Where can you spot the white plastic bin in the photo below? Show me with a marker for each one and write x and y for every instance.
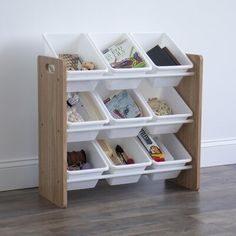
(180, 110)
(175, 154)
(105, 40)
(119, 131)
(81, 85)
(134, 150)
(121, 83)
(103, 93)
(164, 128)
(95, 157)
(147, 41)
(56, 44)
(94, 115)
(165, 80)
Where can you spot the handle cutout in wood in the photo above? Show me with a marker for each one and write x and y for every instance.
(50, 68)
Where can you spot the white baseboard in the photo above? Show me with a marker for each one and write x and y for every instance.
(23, 173)
(218, 152)
(18, 174)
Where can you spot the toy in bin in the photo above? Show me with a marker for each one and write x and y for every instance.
(77, 160)
(162, 56)
(122, 105)
(151, 146)
(73, 62)
(123, 55)
(117, 156)
(76, 111)
(159, 107)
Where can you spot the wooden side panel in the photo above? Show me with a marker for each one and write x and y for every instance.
(190, 90)
(52, 130)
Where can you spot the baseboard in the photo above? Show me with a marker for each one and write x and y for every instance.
(23, 173)
(218, 152)
(18, 174)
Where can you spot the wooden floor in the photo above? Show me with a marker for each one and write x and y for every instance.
(145, 208)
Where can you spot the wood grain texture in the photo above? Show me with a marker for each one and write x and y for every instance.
(190, 89)
(143, 209)
(52, 131)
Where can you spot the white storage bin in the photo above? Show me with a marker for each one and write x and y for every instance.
(175, 154)
(81, 84)
(105, 40)
(94, 116)
(119, 132)
(103, 93)
(56, 44)
(134, 150)
(147, 41)
(165, 80)
(95, 157)
(121, 83)
(180, 110)
(164, 128)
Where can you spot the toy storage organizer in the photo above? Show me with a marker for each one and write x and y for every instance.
(177, 134)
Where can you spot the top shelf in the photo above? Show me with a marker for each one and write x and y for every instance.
(90, 47)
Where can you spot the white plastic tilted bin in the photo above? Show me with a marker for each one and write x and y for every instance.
(134, 150)
(180, 110)
(94, 118)
(77, 179)
(103, 41)
(103, 93)
(147, 41)
(175, 154)
(81, 80)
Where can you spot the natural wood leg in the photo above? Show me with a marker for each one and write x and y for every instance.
(52, 130)
(190, 89)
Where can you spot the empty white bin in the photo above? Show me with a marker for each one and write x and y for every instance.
(134, 150)
(175, 154)
(56, 44)
(102, 93)
(105, 40)
(77, 179)
(94, 115)
(147, 41)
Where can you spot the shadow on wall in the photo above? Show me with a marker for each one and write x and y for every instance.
(18, 95)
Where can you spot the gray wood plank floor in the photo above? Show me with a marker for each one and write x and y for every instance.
(145, 208)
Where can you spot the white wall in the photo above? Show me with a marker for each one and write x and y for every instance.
(203, 27)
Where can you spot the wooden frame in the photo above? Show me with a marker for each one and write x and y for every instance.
(190, 89)
(52, 128)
